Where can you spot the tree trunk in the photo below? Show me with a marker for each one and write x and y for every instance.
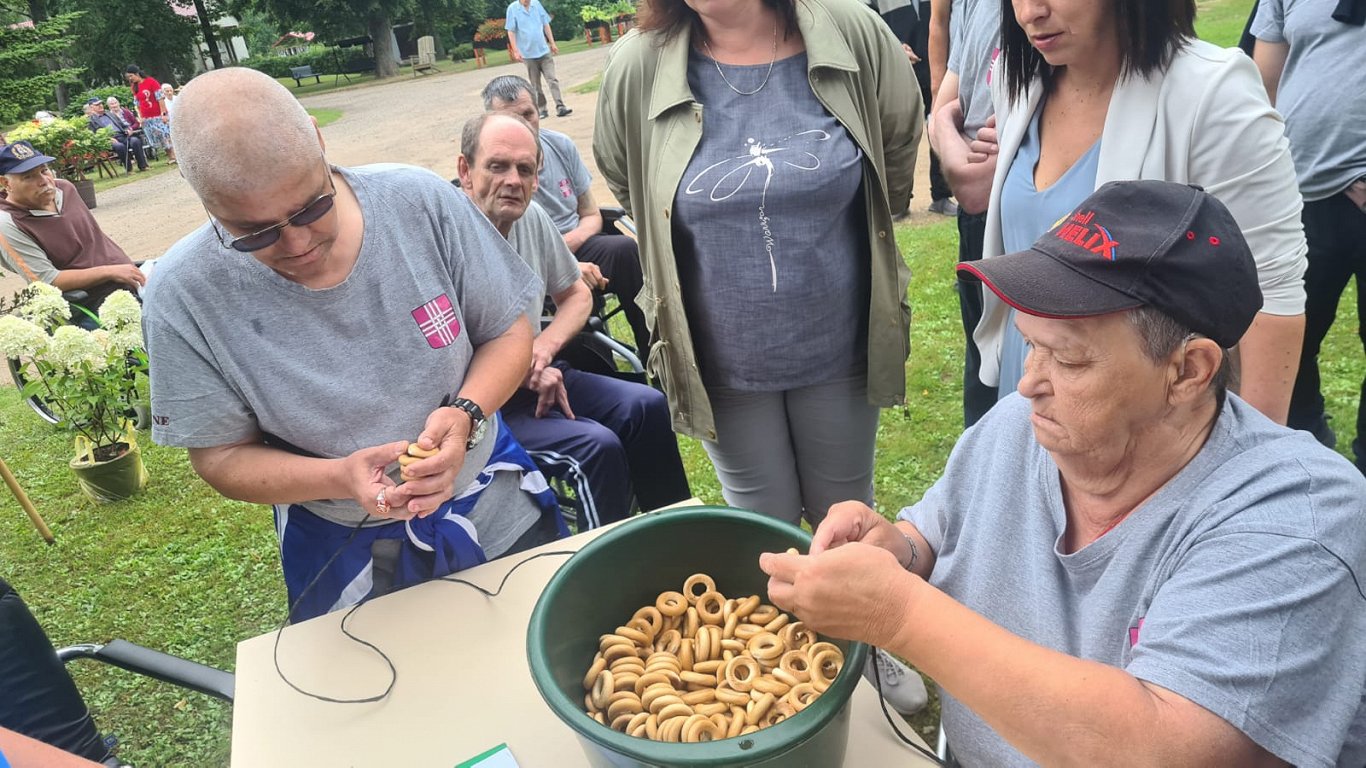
(381, 35)
(206, 27)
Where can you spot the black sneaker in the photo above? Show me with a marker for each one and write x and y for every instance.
(563, 111)
(544, 114)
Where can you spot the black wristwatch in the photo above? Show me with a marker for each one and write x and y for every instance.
(479, 426)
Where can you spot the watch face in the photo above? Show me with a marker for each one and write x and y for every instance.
(478, 431)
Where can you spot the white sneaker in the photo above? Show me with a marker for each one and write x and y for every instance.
(901, 686)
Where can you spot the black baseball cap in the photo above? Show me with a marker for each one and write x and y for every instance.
(93, 100)
(1172, 247)
(21, 157)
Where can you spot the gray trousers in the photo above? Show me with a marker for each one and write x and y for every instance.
(794, 453)
(537, 68)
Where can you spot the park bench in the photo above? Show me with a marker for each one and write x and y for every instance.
(303, 73)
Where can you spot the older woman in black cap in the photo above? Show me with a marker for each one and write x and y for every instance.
(1125, 562)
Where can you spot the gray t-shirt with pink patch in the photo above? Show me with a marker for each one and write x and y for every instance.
(1238, 585)
(236, 349)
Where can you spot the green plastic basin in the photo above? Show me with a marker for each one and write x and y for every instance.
(626, 568)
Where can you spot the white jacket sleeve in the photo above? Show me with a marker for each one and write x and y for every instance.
(1239, 154)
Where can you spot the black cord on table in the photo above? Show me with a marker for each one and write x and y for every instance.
(877, 681)
(393, 672)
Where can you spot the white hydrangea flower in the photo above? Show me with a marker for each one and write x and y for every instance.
(20, 338)
(120, 310)
(71, 346)
(43, 305)
(126, 339)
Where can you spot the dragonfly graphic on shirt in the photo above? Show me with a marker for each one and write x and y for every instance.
(730, 175)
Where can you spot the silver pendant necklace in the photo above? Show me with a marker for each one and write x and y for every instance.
(727, 81)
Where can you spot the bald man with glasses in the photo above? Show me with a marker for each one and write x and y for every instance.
(319, 323)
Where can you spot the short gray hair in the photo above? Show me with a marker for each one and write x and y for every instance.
(1159, 335)
(474, 128)
(505, 88)
(220, 143)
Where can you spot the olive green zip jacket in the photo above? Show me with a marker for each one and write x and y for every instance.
(649, 124)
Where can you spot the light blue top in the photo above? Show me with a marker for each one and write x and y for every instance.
(527, 27)
(1027, 213)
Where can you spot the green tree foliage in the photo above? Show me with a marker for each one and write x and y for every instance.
(26, 84)
(335, 19)
(116, 33)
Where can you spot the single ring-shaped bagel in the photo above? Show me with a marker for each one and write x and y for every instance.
(778, 623)
(710, 606)
(741, 672)
(658, 703)
(691, 584)
(801, 695)
(599, 664)
(649, 679)
(765, 646)
(634, 635)
(677, 709)
(711, 709)
(603, 689)
(795, 635)
(767, 684)
(406, 460)
(422, 453)
(668, 641)
(697, 678)
(728, 695)
(691, 622)
(699, 697)
(653, 616)
(621, 707)
(712, 667)
(762, 614)
(637, 724)
(743, 632)
(737, 722)
(671, 603)
(797, 664)
(821, 666)
(701, 728)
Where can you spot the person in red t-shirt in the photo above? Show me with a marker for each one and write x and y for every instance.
(147, 92)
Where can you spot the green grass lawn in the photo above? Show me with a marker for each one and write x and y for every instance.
(181, 569)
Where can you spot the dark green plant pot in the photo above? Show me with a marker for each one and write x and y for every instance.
(626, 568)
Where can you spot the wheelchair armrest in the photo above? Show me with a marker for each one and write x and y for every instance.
(158, 665)
(75, 297)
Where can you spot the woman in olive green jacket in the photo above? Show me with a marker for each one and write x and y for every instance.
(761, 146)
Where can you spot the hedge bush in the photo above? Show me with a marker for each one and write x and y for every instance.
(75, 107)
(462, 52)
(320, 57)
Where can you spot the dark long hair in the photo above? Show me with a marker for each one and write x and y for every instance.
(1150, 33)
(670, 17)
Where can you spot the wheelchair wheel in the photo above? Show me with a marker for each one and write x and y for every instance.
(36, 402)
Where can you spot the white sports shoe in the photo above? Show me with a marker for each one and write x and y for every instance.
(901, 687)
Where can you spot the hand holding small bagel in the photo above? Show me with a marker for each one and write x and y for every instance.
(430, 464)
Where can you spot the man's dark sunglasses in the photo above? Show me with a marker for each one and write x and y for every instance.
(264, 238)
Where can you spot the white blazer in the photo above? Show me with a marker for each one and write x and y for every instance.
(1206, 120)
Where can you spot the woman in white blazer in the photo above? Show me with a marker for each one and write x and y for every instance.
(1096, 91)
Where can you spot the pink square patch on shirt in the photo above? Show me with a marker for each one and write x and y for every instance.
(436, 319)
(566, 189)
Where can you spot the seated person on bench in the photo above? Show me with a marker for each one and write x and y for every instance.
(564, 194)
(127, 146)
(602, 435)
(52, 235)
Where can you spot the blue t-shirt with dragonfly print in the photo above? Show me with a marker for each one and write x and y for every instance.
(770, 233)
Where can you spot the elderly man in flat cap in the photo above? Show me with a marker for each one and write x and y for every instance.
(1124, 563)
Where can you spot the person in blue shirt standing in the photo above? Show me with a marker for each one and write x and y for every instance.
(530, 40)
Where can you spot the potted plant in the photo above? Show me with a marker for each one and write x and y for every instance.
(86, 377)
(491, 34)
(597, 18)
(624, 13)
(75, 147)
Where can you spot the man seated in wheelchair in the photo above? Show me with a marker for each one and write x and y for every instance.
(601, 435)
(609, 259)
(50, 235)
